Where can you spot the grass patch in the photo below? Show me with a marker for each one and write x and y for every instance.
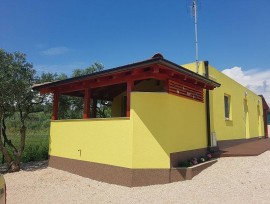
(37, 136)
(36, 147)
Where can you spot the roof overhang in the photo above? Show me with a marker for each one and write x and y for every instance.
(156, 68)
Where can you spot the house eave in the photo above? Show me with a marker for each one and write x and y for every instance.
(126, 68)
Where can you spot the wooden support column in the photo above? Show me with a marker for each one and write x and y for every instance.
(55, 105)
(94, 108)
(86, 111)
(130, 85)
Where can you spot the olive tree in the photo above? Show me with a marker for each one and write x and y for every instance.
(72, 107)
(17, 77)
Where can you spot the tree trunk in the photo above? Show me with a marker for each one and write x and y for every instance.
(12, 167)
(15, 165)
(23, 135)
(7, 156)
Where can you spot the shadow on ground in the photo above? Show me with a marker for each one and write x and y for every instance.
(30, 166)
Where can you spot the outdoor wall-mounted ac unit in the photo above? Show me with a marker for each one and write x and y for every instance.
(213, 139)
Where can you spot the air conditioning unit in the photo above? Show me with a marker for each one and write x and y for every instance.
(213, 139)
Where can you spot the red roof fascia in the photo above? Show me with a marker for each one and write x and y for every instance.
(155, 71)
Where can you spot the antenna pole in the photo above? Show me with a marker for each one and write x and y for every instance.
(194, 7)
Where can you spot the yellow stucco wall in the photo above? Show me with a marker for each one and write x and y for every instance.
(117, 105)
(160, 124)
(106, 141)
(163, 124)
(237, 127)
(149, 85)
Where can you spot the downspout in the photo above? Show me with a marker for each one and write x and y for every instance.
(207, 106)
(265, 110)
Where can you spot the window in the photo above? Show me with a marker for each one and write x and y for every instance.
(227, 107)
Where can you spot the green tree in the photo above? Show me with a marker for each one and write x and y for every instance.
(17, 77)
(49, 77)
(96, 67)
(46, 105)
(72, 107)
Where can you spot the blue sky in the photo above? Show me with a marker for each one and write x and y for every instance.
(59, 36)
(69, 34)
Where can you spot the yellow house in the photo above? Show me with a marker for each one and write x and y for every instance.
(237, 114)
(162, 114)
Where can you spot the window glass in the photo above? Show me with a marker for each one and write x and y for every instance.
(227, 106)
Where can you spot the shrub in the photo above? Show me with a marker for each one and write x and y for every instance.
(185, 164)
(201, 160)
(194, 161)
(35, 153)
(208, 156)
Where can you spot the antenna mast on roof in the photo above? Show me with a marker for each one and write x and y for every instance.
(194, 9)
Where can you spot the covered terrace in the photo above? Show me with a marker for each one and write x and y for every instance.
(106, 85)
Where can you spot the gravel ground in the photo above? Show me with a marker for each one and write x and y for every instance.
(230, 180)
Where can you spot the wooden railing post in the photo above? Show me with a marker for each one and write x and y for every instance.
(87, 99)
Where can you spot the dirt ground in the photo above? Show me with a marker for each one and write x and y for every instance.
(230, 180)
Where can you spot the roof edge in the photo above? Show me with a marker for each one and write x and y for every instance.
(155, 60)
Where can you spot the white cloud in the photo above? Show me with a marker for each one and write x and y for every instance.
(257, 81)
(40, 45)
(55, 51)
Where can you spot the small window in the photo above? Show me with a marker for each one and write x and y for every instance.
(227, 107)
